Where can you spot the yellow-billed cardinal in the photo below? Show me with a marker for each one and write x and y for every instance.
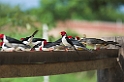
(6, 48)
(1, 43)
(28, 40)
(35, 41)
(67, 42)
(97, 43)
(46, 46)
(42, 46)
(77, 38)
(9, 42)
(77, 44)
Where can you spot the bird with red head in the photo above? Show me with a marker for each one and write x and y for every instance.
(1, 43)
(1, 36)
(63, 33)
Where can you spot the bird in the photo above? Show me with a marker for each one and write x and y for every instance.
(9, 41)
(67, 42)
(47, 46)
(6, 48)
(35, 41)
(17, 45)
(37, 47)
(28, 40)
(78, 45)
(42, 46)
(23, 45)
(92, 42)
(1, 43)
(77, 38)
(96, 43)
(56, 45)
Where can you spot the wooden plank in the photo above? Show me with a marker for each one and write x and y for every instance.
(7, 58)
(116, 73)
(121, 55)
(121, 58)
(120, 40)
(7, 71)
(113, 74)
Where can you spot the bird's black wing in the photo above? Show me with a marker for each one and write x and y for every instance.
(13, 40)
(50, 44)
(77, 43)
(69, 41)
(34, 33)
(93, 40)
(27, 38)
(37, 39)
(112, 42)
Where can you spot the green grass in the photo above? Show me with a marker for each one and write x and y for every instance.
(89, 76)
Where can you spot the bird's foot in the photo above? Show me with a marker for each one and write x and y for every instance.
(51, 49)
(66, 50)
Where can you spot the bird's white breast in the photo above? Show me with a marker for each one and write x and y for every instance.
(64, 41)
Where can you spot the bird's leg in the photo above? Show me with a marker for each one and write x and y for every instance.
(66, 48)
(98, 46)
(95, 47)
(51, 49)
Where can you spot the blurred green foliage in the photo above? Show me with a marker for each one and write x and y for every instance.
(51, 11)
(14, 16)
(54, 10)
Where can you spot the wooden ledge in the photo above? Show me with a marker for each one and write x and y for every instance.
(31, 70)
(27, 64)
(16, 58)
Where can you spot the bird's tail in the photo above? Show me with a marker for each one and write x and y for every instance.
(30, 40)
(113, 43)
(34, 33)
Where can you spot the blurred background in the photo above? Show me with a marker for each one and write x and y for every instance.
(95, 18)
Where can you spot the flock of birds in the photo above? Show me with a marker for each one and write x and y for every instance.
(65, 43)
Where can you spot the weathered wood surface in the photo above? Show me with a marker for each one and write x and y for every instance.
(27, 64)
(116, 73)
(53, 57)
(121, 58)
(113, 74)
(120, 40)
(30, 70)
